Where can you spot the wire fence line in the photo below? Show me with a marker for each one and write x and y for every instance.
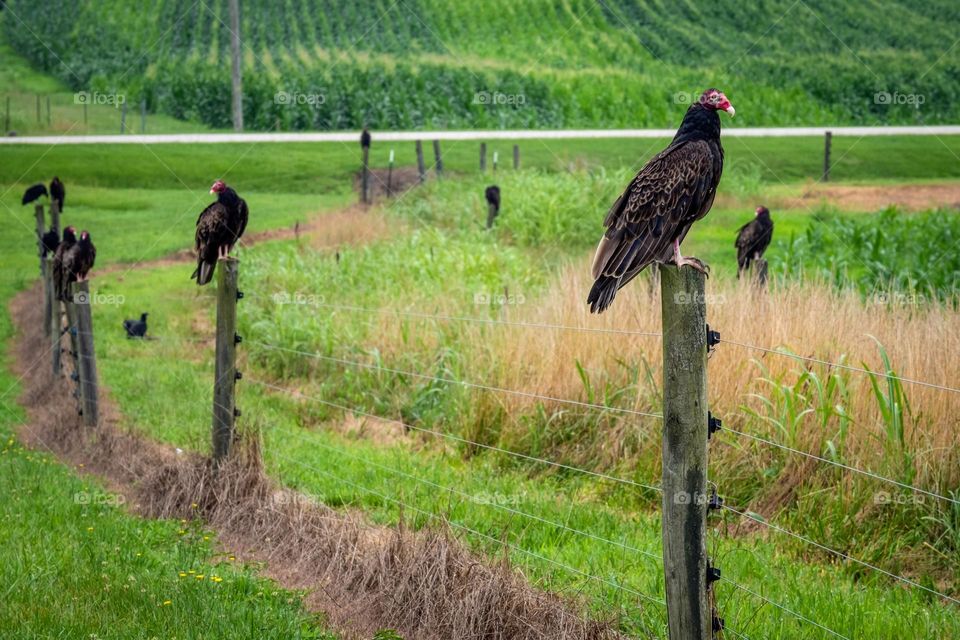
(466, 529)
(456, 438)
(839, 554)
(480, 501)
(840, 465)
(838, 365)
(785, 609)
(414, 374)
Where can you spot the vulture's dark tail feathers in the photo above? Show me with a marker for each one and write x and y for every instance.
(602, 294)
(204, 272)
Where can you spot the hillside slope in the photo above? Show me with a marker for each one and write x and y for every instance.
(330, 64)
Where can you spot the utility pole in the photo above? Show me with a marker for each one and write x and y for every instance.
(236, 63)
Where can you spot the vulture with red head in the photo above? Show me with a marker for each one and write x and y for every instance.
(673, 190)
(219, 227)
(66, 244)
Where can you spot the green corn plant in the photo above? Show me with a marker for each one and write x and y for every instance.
(895, 410)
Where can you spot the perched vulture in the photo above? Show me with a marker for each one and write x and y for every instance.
(673, 190)
(76, 264)
(34, 193)
(58, 192)
(136, 328)
(69, 239)
(753, 239)
(50, 242)
(219, 227)
(365, 138)
(492, 195)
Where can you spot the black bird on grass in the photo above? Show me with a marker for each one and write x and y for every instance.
(50, 242)
(753, 239)
(34, 193)
(76, 264)
(219, 227)
(66, 244)
(492, 194)
(58, 192)
(136, 328)
(365, 138)
(673, 190)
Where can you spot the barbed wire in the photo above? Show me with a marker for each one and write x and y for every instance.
(838, 365)
(475, 385)
(839, 554)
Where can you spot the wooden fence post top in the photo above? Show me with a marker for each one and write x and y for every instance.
(684, 482)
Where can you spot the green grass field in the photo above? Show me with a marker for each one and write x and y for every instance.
(551, 217)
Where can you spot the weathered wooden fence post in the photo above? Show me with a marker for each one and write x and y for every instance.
(123, 117)
(48, 297)
(224, 400)
(390, 175)
(84, 114)
(760, 272)
(71, 313)
(439, 158)
(483, 157)
(86, 356)
(421, 166)
(143, 116)
(827, 141)
(689, 616)
(496, 158)
(55, 216)
(365, 177)
(516, 156)
(38, 214)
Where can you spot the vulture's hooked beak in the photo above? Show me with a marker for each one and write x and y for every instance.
(212, 191)
(731, 110)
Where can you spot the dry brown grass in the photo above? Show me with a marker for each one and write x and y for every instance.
(364, 577)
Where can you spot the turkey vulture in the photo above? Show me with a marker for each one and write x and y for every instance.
(76, 264)
(69, 239)
(50, 242)
(365, 138)
(57, 192)
(219, 227)
(136, 328)
(753, 239)
(492, 194)
(673, 190)
(34, 193)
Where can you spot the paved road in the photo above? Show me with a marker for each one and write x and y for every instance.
(400, 136)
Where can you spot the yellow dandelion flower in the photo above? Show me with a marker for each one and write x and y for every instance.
(182, 574)
(89, 528)
(232, 558)
(199, 576)
(167, 603)
(206, 538)
(194, 506)
(217, 579)
(191, 572)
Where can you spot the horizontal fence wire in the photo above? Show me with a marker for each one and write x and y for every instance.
(839, 554)
(888, 376)
(784, 608)
(840, 465)
(460, 439)
(457, 525)
(475, 500)
(474, 319)
(414, 374)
